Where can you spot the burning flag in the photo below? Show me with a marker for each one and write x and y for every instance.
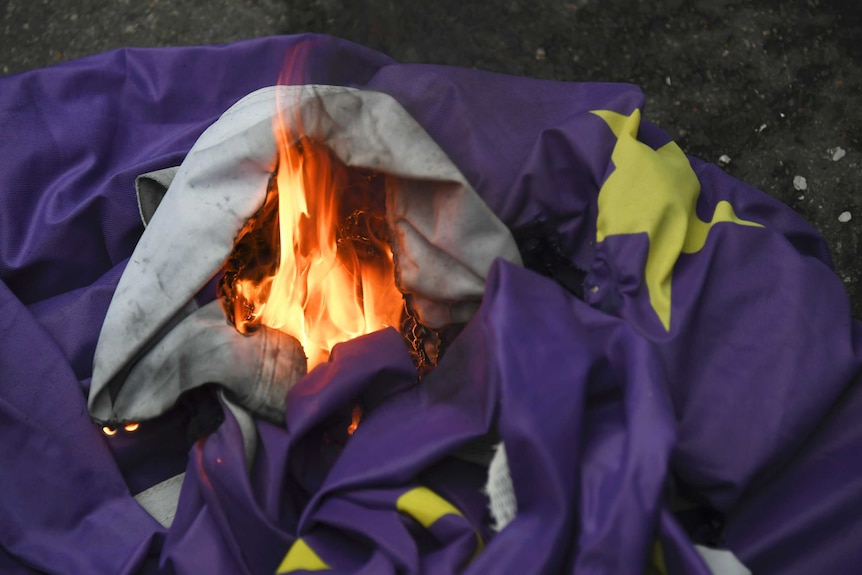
(665, 353)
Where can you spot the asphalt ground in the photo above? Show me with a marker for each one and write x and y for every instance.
(770, 90)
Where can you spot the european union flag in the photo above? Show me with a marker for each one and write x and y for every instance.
(673, 372)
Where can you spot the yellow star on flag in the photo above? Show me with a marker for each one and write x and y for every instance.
(654, 192)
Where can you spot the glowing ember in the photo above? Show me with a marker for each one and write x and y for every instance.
(130, 427)
(314, 262)
(355, 418)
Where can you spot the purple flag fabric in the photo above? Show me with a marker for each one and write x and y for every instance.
(676, 363)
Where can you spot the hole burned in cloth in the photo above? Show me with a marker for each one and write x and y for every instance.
(433, 217)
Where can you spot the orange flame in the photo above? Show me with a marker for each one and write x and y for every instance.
(355, 418)
(130, 427)
(335, 275)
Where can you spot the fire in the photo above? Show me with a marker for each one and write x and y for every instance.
(355, 418)
(130, 427)
(315, 261)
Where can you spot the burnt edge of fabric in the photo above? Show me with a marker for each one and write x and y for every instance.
(539, 245)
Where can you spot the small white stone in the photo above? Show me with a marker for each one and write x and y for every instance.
(800, 183)
(800, 198)
(837, 153)
(845, 217)
(724, 159)
(667, 80)
(761, 128)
